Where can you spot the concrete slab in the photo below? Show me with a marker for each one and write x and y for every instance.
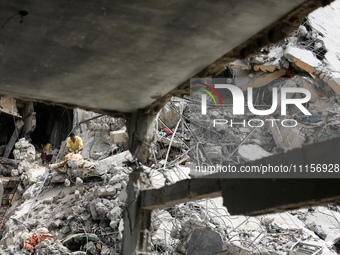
(119, 56)
(328, 221)
(303, 58)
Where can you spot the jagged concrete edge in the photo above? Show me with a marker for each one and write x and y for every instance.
(110, 113)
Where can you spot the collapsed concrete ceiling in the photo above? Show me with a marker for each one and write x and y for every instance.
(122, 56)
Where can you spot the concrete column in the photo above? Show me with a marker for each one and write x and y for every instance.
(141, 133)
(137, 222)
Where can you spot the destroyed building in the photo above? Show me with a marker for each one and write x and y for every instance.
(133, 193)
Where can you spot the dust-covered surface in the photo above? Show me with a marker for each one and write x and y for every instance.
(78, 207)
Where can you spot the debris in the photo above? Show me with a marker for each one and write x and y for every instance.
(303, 58)
(121, 138)
(83, 200)
(30, 240)
(251, 152)
(301, 248)
(333, 82)
(204, 241)
(73, 242)
(314, 120)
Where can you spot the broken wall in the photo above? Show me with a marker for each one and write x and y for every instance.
(101, 134)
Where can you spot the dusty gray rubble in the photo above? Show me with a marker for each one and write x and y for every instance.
(84, 206)
(178, 229)
(307, 59)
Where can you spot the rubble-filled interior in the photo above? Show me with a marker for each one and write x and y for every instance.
(53, 124)
(41, 123)
(77, 207)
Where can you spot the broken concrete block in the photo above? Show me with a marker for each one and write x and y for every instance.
(106, 191)
(189, 226)
(317, 230)
(203, 241)
(120, 137)
(56, 177)
(115, 160)
(174, 233)
(56, 223)
(15, 172)
(77, 194)
(324, 223)
(251, 152)
(169, 116)
(95, 155)
(22, 144)
(214, 152)
(16, 154)
(123, 195)
(114, 223)
(48, 200)
(98, 209)
(81, 190)
(9, 105)
(115, 213)
(32, 180)
(79, 182)
(157, 180)
(303, 58)
(117, 186)
(67, 183)
(118, 178)
(105, 250)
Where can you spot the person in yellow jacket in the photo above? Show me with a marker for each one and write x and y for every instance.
(74, 144)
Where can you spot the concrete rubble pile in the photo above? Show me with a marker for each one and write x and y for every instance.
(28, 158)
(82, 205)
(307, 59)
(206, 227)
(84, 200)
(77, 207)
(84, 214)
(80, 202)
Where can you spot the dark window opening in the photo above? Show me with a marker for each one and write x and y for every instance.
(53, 123)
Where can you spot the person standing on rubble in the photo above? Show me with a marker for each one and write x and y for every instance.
(46, 155)
(74, 144)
